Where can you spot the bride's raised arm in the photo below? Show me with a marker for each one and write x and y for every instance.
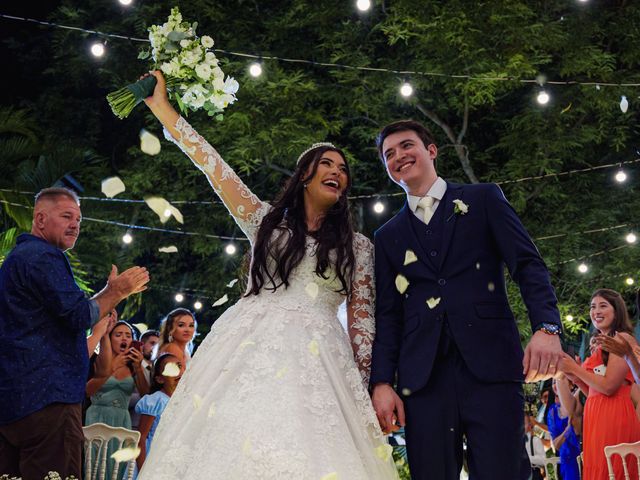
(361, 306)
(246, 208)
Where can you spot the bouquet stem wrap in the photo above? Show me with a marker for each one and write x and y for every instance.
(123, 101)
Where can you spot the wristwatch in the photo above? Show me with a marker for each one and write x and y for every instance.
(549, 328)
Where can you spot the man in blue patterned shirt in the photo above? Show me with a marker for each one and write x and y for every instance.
(43, 349)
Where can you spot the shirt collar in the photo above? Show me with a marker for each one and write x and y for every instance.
(436, 191)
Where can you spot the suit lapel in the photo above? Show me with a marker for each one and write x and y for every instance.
(454, 192)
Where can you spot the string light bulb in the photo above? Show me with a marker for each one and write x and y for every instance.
(629, 281)
(125, 2)
(631, 238)
(127, 238)
(255, 69)
(363, 5)
(543, 97)
(197, 305)
(230, 249)
(97, 49)
(583, 268)
(621, 176)
(569, 318)
(624, 104)
(406, 90)
(179, 297)
(378, 207)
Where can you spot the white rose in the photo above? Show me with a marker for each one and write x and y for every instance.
(230, 86)
(218, 73)
(204, 71)
(218, 101)
(462, 207)
(184, 43)
(207, 41)
(166, 68)
(218, 84)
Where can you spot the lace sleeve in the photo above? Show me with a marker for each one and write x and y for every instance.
(246, 208)
(361, 306)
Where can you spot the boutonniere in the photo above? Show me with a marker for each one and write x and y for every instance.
(460, 208)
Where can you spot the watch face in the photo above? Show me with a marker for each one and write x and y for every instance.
(551, 327)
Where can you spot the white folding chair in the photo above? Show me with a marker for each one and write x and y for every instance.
(96, 442)
(538, 458)
(623, 450)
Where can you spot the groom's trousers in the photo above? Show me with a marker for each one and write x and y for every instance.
(454, 404)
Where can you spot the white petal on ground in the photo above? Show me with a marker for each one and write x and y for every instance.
(149, 143)
(221, 301)
(232, 283)
(112, 186)
(197, 401)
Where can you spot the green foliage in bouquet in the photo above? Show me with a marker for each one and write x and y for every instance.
(194, 77)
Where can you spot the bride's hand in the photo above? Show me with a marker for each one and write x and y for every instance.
(159, 97)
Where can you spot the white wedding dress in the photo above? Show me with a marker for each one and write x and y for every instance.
(274, 391)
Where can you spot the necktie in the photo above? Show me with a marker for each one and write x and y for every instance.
(425, 204)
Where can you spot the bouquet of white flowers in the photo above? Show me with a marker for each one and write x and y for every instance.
(194, 79)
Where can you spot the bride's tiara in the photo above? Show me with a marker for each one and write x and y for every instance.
(313, 147)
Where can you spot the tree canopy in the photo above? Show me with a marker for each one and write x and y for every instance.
(477, 68)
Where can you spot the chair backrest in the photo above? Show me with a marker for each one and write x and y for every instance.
(96, 441)
(623, 450)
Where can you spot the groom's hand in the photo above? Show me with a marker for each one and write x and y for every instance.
(389, 408)
(542, 357)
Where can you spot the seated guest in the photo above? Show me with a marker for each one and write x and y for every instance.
(150, 407)
(177, 332)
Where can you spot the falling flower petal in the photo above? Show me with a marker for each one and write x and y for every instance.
(197, 401)
(112, 186)
(159, 206)
(149, 143)
(330, 476)
(177, 214)
(433, 302)
(567, 108)
(142, 327)
(246, 447)
(212, 410)
(281, 372)
(409, 257)
(169, 249)
(491, 286)
(401, 283)
(312, 289)
(313, 348)
(624, 104)
(384, 452)
(247, 344)
(406, 392)
(232, 283)
(221, 301)
(125, 454)
(171, 369)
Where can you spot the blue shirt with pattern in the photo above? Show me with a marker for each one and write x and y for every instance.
(43, 319)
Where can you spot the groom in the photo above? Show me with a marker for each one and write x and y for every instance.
(443, 322)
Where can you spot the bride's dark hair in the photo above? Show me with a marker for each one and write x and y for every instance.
(281, 239)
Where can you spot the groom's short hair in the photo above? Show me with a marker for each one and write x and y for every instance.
(402, 126)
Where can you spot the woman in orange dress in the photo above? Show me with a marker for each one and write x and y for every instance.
(609, 416)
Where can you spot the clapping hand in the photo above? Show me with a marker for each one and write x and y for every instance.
(132, 280)
(622, 344)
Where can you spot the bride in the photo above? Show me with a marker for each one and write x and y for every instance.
(277, 390)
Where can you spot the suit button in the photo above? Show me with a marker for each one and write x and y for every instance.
(433, 253)
(442, 282)
(428, 231)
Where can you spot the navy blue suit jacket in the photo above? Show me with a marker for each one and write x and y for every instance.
(468, 280)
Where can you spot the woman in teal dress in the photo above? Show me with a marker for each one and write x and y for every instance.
(119, 370)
